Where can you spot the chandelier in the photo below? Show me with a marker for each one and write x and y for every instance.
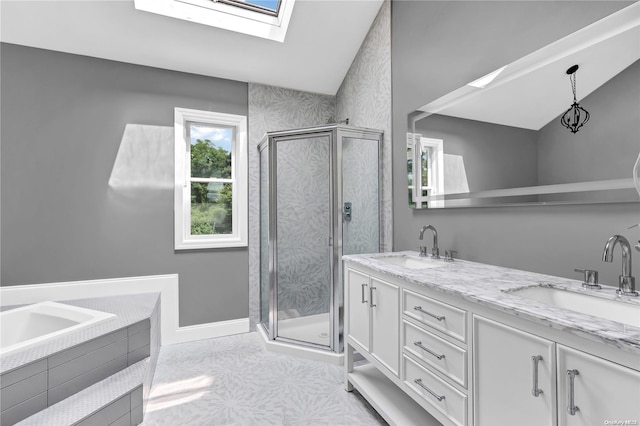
(576, 116)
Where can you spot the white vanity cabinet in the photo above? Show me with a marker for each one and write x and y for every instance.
(603, 392)
(436, 359)
(511, 366)
(514, 376)
(373, 317)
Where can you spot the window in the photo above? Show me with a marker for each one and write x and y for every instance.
(261, 18)
(426, 180)
(210, 180)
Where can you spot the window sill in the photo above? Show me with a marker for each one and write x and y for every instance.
(217, 243)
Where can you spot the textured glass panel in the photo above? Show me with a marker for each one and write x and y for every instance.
(211, 208)
(210, 150)
(360, 188)
(303, 200)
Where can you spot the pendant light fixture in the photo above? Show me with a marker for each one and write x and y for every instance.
(576, 116)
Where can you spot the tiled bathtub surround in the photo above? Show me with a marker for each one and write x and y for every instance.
(483, 284)
(128, 310)
(44, 375)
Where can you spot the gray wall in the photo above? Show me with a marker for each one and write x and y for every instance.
(440, 46)
(494, 156)
(63, 117)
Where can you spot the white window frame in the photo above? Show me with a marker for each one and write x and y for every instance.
(435, 147)
(182, 192)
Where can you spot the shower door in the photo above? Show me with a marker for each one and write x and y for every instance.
(319, 199)
(301, 229)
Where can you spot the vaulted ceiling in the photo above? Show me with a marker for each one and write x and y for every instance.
(322, 40)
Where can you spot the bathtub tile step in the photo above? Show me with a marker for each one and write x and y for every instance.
(86, 347)
(86, 363)
(18, 412)
(71, 387)
(21, 373)
(25, 389)
(90, 401)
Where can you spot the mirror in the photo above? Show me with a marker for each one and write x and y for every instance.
(499, 140)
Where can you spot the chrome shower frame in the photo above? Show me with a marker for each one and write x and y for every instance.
(336, 133)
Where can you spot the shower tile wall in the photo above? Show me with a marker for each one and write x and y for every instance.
(270, 109)
(365, 98)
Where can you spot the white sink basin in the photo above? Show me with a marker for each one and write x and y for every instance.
(411, 262)
(614, 310)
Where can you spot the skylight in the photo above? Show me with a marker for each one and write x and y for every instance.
(483, 82)
(270, 7)
(260, 18)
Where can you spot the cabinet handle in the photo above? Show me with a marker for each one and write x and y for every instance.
(362, 298)
(572, 408)
(435, 395)
(535, 360)
(419, 344)
(419, 309)
(371, 304)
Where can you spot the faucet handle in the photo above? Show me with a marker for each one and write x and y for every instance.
(423, 251)
(590, 278)
(435, 253)
(448, 255)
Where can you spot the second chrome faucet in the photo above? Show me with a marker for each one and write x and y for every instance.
(435, 252)
(626, 283)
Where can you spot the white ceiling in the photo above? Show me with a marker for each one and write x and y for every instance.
(322, 40)
(534, 90)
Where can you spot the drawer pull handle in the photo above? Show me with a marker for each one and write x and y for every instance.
(419, 344)
(572, 408)
(419, 309)
(435, 395)
(363, 300)
(371, 304)
(535, 391)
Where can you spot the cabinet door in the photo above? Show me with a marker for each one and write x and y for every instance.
(603, 392)
(385, 323)
(358, 307)
(505, 375)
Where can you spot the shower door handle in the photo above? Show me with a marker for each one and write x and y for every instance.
(346, 212)
(362, 297)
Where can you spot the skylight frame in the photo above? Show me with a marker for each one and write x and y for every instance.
(253, 7)
(226, 14)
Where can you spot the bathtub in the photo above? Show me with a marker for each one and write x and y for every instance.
(27, 326)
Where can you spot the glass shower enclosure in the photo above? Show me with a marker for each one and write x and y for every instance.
(319, 199)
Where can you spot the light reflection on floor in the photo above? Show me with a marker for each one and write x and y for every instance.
(235, 381)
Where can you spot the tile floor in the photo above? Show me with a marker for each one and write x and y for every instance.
(235, 381)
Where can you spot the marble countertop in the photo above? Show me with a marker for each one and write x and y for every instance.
(489, 286)
(128, 309)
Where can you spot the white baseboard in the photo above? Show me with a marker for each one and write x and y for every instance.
(166, 285)
(212, 329)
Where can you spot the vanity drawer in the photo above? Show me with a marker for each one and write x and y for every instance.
(445, 318)
(449, 401)
(436, 352)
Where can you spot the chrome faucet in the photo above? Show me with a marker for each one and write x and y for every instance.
(435, 252)
(627, 284)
